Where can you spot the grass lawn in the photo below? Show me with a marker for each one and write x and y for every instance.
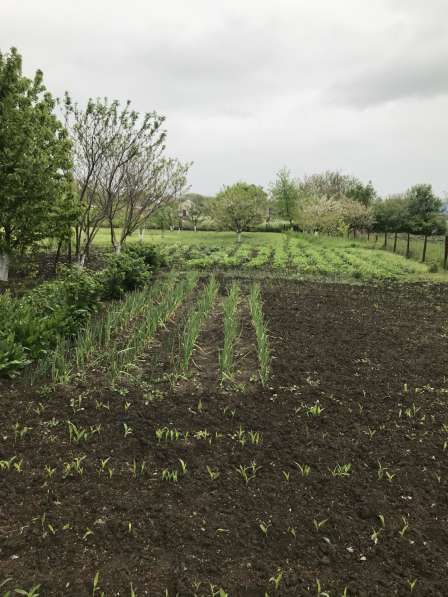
(189, 237)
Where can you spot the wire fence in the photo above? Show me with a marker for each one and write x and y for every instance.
(430, 249)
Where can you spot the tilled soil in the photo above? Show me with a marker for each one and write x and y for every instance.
(372, 359)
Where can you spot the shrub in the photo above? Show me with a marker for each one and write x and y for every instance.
(12, 355)
(124, 272)
(149, 253)
(32, 325)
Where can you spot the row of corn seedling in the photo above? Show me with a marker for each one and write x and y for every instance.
(103, 335)
(194, 323)
(231, 332)
(154, 316)
(261, 332)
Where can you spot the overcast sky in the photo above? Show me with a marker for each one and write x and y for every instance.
(248, 86)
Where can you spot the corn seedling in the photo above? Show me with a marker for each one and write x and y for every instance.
(74, 467)
(264, 527)
(20, 431)
(167, 434)
(381, 470)
(286, 474)
(412, 411)
(405, 526)
(96, 586)
(370, 432)
(375, 535)
(212, 474)
(411, 584)
(168, 475)
(80, 434)
(49, 471)
(18, 466)
(341, 470)
(292, 531)
(201, 434)
(277, 579)
(315, 410)
(248, 472)
(135, 469)
(304, 469)
(318, 524)
(255, 437)
(6, 464)
(261, 333)
(319, 592)
(127, 430)
(33, 592)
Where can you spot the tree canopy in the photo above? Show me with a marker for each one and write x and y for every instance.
(285, 195)
(35, 159)
(239, 206)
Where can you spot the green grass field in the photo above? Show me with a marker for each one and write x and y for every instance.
(188, 237)
(292, 254)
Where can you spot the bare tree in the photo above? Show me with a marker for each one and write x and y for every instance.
(120, 170)
(92, 132)
(149, 181)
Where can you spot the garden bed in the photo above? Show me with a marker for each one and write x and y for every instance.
(357, 392)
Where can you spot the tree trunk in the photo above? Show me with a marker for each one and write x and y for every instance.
(368, 235)
(118, 248)
(425, 244)
(4, 267)
(58, 253)
(142, 234)
(385, 239)
(408, 243)
(238, 236)
(195, 228)
(395, 241)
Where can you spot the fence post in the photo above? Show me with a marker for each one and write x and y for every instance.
(425, 244)
(445, 260)
(408, 250)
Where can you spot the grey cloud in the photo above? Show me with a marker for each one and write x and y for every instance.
(408, 77)
(248, 87)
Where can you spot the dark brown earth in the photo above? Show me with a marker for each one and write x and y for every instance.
(374, 357)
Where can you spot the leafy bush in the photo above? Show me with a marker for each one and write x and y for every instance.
(72, 296)
(124, 272)
(149, 253)
(12, 355)
(32, 325)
